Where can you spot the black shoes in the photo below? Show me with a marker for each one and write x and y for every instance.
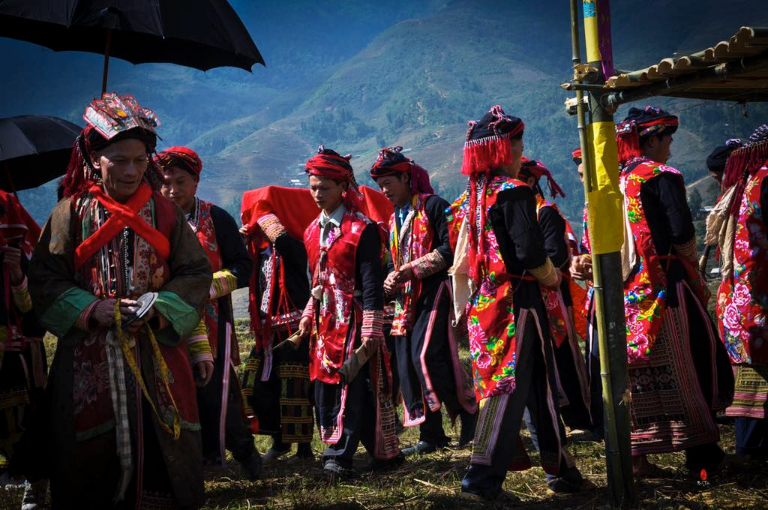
(252, 466)
(421, 448)
(336, 471)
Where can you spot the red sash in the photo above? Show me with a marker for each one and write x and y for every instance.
(122, 215)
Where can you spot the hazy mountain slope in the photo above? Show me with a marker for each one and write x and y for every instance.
(418, 82)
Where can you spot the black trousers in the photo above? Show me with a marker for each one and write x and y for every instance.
(359, 416)
(531, 392)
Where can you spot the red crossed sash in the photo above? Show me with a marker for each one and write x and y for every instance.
(122, 215)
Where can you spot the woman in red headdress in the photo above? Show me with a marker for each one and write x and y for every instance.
(349, 362)
(742, 303)
(213, 347)
(678, 370)
(118, 277)
(499, 265)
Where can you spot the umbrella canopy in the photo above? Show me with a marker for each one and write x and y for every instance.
(34, 150)
(202, 34)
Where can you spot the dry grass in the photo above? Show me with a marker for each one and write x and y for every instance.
(433, 481)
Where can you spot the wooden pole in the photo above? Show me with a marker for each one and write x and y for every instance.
(607, 280)
(107, 48)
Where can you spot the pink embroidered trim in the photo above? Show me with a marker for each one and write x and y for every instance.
(271, 226)
(428, 265)
(373, 324)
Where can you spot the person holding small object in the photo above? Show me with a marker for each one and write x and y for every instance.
(349, 362)
(121, 424)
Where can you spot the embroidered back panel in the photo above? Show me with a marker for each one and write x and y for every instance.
(490, 312)
(645, 291)
(333, 269)
(742, 301)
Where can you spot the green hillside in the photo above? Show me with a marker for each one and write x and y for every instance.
(418, 82)
(358, 75)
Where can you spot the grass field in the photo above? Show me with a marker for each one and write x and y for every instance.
(433, 481)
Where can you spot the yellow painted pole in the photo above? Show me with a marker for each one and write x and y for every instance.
(604, 210)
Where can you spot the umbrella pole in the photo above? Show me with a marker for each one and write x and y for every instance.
(10, 178)
(106, 62)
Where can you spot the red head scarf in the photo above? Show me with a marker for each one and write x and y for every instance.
(537, 170)
(489, 142)
(743, 162)
(391, 162)
(576, 155)
(641, 124)
(182, 157)
(331, 165)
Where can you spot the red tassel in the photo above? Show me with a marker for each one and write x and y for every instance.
(486, 154)
(744, 161)
(628, 145)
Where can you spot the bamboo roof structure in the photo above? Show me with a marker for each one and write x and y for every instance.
(733, 70)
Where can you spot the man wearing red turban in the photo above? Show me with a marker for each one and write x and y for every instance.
(349, 361)
(427, 355)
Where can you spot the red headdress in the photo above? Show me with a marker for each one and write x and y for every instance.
(576, 155)
(331, 165)
(488, 147)
(745, 161)
(391, 162)
(537, 170)
(110, 119)
(182, 157)
(638, 125)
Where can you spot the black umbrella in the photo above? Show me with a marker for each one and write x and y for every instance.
(34, 150)
(195, 33)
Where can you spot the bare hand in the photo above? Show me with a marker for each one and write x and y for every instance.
(305, 327)
(204, 371)
(12, 262)
(389, 284)
(370, 344)
(404, 274)
(104, 312)
(581, 267)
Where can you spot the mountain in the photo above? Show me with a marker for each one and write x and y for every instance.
(358, 75)
(419, 81)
